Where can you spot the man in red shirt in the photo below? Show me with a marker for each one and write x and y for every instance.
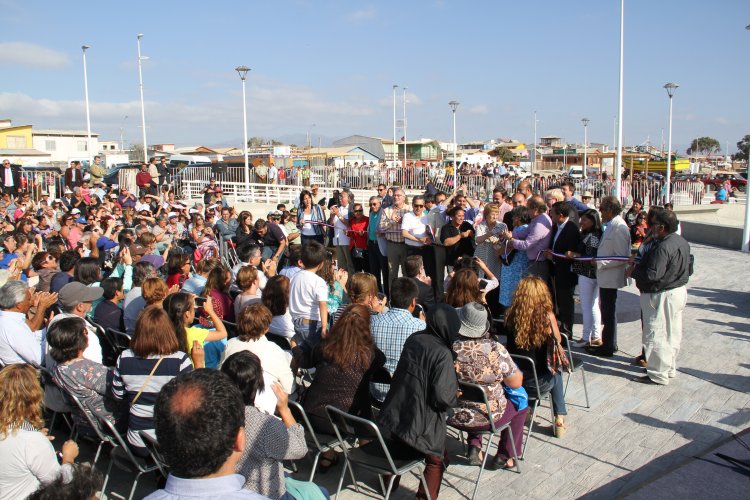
(143, 180)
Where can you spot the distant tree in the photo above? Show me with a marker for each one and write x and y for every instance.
(136, 152)
(706, 146)
(255, 142)
(502, 154)
(744, 148)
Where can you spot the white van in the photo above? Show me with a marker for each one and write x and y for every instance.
(175, 160)
(576, 172)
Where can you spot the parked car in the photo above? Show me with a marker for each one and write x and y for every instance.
(719, 178)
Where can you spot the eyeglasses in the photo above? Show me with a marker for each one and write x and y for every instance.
(373, 204)
(359, 211)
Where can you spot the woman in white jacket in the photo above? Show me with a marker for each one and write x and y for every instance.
(610, 274)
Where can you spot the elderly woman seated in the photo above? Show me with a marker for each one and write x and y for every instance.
(88, 381)
(484, 361)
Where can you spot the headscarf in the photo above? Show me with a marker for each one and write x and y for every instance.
(443, 322)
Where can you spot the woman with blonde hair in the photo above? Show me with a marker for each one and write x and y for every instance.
(27, 457)
(363, 289)
(530, 322)
(553, 196)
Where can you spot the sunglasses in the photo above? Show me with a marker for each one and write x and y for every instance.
(381, 189)
(418, 206)
(359, 211)
(373, 204)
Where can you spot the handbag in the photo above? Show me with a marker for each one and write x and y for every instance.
(358, 253)
(557, 358)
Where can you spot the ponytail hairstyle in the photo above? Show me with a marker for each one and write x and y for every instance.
(176, 305)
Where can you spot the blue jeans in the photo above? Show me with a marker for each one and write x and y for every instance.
(307, 335)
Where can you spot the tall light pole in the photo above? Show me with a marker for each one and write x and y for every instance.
(618, 161)
(533, 164)
(671, 87)
(122, 128)
(86, 96)
(404, 165)
(746, 231)
(395, 146)
(143, 107)
(242, 71)
(585, 122)
(454, 107)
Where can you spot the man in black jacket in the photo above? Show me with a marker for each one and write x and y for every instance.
(10, 178)
(414, 269)
(566, 237)
(661, 276)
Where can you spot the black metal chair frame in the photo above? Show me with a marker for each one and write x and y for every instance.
(534, 399)
(347, 425)
(575, 367)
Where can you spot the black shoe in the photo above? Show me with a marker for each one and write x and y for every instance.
(600, 352)
(497, 463)
(473, 457)
(645, 379)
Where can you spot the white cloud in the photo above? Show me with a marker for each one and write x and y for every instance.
(31, 55)
(411, 99)
(479, 109)
(273, 109)
(362, 14)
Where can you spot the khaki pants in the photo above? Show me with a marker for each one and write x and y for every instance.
(662, 331)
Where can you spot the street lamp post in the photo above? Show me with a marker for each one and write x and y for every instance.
(143, 107)
(86, 96)
(618, 162)
(671, 87)
(122, 128)
(395, 146)
(454, 107)
(746, 231)
(242, 71)
(533, 164)
(585, 122)
(404, 128)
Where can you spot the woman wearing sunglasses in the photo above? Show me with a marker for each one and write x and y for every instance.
(418, 235)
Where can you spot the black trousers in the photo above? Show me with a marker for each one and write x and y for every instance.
(607, 306)
(565, 303)
(378, 265)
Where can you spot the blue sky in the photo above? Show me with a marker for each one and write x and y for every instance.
(333, 63)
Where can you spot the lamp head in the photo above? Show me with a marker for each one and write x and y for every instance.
(242, 71)
(585, 121)
(84, 47)
(454, 105)
(671, 87)
(395, 87)
(139, 36)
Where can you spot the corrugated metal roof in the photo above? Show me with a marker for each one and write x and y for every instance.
(65, 133)
(22, 152)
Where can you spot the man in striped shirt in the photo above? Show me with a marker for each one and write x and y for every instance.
(390, 225)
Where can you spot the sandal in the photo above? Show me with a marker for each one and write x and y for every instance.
(560, 428)
(326, 463)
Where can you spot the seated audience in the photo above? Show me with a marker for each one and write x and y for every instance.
(178, 269)
(109, 313)
(21, 338)
(276, 299)
(217, 288)
(27, 458)
(249, 285)
(200, 419)
(181, 310)
(83, 482)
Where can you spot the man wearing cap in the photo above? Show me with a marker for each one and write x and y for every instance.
(96, 171)
(10, 178)
(76, 300)
(587, 199)
(66, 200)
(569, 190)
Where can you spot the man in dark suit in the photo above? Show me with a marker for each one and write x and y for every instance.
(10, 178)
(566, 237)
(414, 270)
(74, 175)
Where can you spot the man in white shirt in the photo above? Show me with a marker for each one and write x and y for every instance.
(340, 215)
(22, 341)
(76, 300)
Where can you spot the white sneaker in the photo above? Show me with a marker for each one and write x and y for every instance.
(580, 343)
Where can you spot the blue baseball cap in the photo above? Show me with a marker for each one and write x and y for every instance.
(81, 220)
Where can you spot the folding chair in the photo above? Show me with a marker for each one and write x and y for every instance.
(109, 349)
(319, 442)
(535, 395)
(56, 401)
(95, 426)
(279, 340)
(153, 449)
(576, 364)
(120, 340)
(375, 455)
(475, 393)
(123, 456)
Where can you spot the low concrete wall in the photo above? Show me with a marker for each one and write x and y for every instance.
(712, 234)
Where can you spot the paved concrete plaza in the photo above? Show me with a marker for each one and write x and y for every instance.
(632, 434)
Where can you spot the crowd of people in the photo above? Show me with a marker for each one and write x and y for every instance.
(378, 312)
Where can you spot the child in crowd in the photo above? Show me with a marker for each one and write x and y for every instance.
(308, 297)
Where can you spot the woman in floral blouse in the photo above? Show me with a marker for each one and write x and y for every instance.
(484, 361)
